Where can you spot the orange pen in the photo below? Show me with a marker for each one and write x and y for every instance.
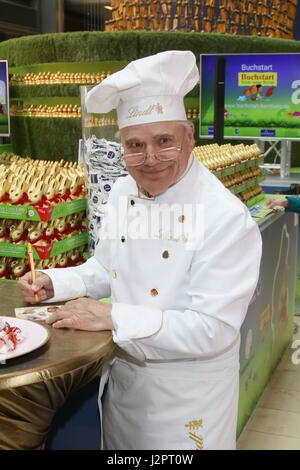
(32, 269)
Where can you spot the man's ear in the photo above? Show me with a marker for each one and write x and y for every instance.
(190, 132)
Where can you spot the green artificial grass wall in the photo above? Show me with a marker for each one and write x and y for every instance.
(69, 47)
(46, 138)
(55, 138)
(105, 46)
(50, 100)
(5, 148)
(57, 89)
(209, 43)
(38, 91)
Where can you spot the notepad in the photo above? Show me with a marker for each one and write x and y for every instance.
(42, 312)
(259, 211)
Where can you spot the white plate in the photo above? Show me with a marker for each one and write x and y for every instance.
(35, 336)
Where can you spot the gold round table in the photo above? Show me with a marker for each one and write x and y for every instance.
(35, 385)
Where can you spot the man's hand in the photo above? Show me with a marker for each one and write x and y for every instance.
(43, 287)
(277, 202)
(83, 314)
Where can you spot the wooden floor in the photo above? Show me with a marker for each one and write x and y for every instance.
(275, 423)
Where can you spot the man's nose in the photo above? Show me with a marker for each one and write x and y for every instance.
(150, 159)
(150, 156)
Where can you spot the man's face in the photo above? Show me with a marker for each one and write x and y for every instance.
(156, 176)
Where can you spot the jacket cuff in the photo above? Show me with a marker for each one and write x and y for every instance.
(132, 322)
(293, 204)
(66, 283)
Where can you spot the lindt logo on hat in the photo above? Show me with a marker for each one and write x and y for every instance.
(136, 111)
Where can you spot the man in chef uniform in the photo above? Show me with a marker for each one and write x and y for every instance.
(179, 294)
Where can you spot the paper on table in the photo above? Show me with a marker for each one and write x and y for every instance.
(42, 312)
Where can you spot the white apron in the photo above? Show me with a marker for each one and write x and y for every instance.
(186, 405)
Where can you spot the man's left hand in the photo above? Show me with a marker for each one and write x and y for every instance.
(83, 314)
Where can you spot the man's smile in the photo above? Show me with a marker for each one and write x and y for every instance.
(154, 171)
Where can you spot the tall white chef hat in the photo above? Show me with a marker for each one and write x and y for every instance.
(147, 90)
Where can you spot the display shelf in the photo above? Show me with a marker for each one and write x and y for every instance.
(230, 170)
(240, 188)
(248, 184)
(42, 213)
(255, 200)
(44, 251)
(255, 162)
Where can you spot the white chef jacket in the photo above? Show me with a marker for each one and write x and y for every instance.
(177, 314)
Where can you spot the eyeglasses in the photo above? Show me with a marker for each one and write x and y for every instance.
(163, 155)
